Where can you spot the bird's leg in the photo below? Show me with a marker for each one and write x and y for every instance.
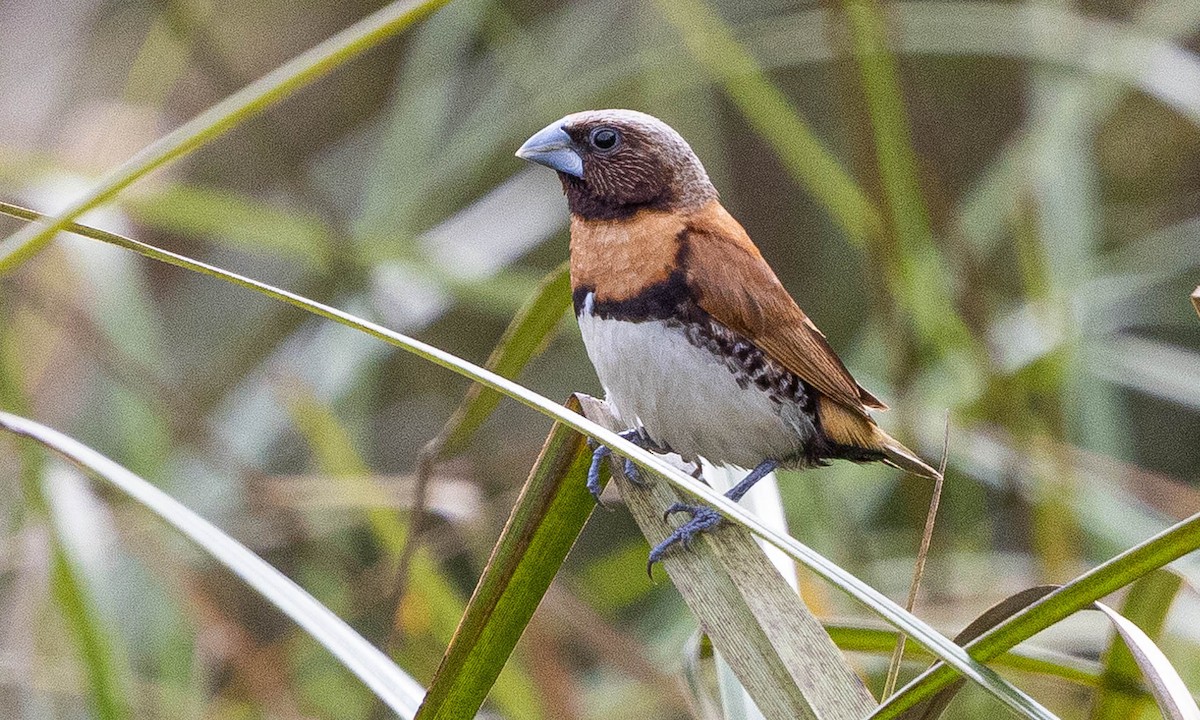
(764, 468)
(600, 452)
(703, 517)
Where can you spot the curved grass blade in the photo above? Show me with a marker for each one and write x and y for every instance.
(529, 332)
(1174, 542)
(106, 676)
(230, 112)
(1174, 699)
(933, 708)
(881, 641)
(871, 598)
(549, 515)
(399, 691)
(1127, 567)
(1147, 604)
(335, 455)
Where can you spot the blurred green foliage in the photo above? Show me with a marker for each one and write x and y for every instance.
(1006, 226)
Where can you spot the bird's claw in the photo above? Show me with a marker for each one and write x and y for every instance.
(633, 474)
(676, 508)
(600, 452)
(703, 518)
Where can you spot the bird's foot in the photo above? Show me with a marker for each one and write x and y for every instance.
(703, 518)
(600, 452)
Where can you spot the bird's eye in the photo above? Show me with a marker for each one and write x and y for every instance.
(605, 138)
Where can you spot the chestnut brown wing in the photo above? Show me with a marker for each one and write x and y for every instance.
(734, 284)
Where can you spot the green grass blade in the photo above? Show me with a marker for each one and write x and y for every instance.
(771, 114)
(933, 708)
(895, 156)
(1147, 604)
(524, 338)
(915, 265)
(399, 691)
(1174, 542)
(871, 598)
(233, 110)
(549, 515)
(108, 693)
(882, 641)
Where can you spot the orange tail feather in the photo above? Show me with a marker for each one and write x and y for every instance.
(846, 427)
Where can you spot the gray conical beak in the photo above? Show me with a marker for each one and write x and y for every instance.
(552, 146)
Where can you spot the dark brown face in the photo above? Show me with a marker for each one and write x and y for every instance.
(613, 163)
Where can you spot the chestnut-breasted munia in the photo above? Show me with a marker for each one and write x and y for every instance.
(700, 349)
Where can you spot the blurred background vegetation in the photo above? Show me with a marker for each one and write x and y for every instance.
(1014, 245)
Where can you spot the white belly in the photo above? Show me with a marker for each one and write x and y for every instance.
(686, 397)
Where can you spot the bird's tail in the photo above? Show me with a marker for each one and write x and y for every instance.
(854, 429)
(904, 458)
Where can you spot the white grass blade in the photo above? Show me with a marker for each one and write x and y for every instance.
(391, 684)
(916, 628)
(1175, 701)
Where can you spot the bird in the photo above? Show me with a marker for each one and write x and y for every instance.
(700, 349)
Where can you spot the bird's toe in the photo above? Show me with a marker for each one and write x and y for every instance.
(633, 474)
(593, 478)
(703, 518)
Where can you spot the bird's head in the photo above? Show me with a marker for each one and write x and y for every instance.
(613, 163)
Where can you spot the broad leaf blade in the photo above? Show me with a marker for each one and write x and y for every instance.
(775, 645)
(395, 688)
(549, 514)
